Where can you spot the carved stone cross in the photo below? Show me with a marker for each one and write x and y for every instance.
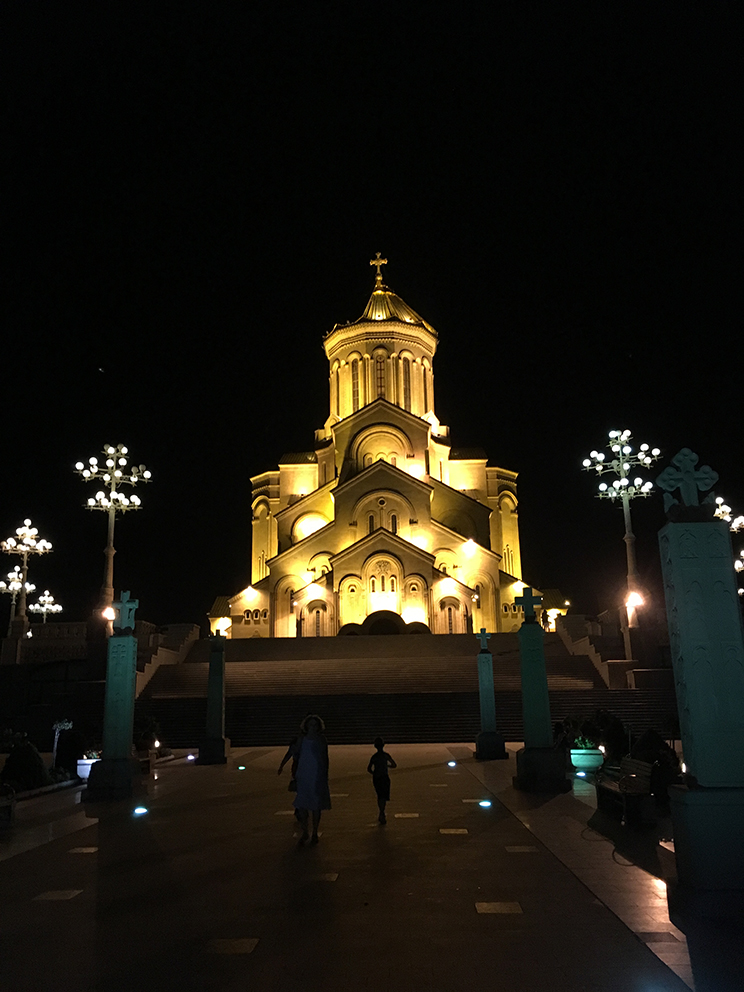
(686, 478)
(483, 638)
(125, 612)
(528, 602)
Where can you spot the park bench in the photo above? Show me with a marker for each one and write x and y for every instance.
(7, 805)
(625, 792)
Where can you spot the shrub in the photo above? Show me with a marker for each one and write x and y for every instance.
(25, 769)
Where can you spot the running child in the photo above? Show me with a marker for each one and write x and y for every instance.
(378, 769)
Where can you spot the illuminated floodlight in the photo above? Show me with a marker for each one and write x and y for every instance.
(139, 810)
(580, 774)
(451, 764)
(156, 743)
(485, 803)
(190, 757)
(109, 613)
(241, 768)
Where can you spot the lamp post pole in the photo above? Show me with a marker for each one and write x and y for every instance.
(621, 461)
(112, 474)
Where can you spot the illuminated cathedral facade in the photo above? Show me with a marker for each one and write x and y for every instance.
(383, 527)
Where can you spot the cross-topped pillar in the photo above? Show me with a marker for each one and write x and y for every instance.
(528, 601)
(489, 744)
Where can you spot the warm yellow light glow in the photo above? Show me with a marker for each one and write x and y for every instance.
(518, 585)
(447, 586)
(307, 525)
(567, 602)
(221, 624)
(314, 589)
(383, 601)
(420, 540)
(633, 600)
(416, 470)
(109, 613)
(250, 594)
(469, 548)
(414, 614)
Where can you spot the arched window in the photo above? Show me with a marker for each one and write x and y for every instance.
(367, 461)
(247, 616)
(394, 524)
(426, 389)
(508, 560)
(380, 374)
(382, 583)
(407, 383)
(392, 583)
(477, 596)
(264, 614)
(371, 522)
(317, 623)
(414, 588)
(372, 586)
(256, 614)
(355, 383)
(352, 589)
(450, 621)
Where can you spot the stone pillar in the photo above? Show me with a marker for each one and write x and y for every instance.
(213, 749)
(115, 775)
(708, 657)
(489, 744)
(540, 767)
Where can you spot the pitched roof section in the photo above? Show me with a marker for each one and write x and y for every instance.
(298, 458)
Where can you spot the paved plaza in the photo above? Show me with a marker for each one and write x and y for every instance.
(208, 889)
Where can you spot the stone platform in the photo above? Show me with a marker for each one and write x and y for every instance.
(208, 890)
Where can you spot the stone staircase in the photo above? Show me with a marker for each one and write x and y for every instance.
(406, 688)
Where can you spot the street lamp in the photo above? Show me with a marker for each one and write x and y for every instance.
(45, 605)
(113, 472)
(26, 542)
(13, 586)
(619, 470)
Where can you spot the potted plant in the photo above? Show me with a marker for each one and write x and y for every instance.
(83, 764)
(585, 755)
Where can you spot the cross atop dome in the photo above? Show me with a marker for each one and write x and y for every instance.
(379, 262)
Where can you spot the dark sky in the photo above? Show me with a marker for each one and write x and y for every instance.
(192, 193)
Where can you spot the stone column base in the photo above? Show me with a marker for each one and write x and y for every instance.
(113, 778)
(213, 751)
(489, 746)
(708, 831)
(541, 769)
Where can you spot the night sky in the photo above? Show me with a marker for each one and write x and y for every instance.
(192, 193)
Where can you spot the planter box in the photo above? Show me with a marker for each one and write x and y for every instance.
(83, 767)
(586, 760)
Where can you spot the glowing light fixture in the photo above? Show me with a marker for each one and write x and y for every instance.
(485, 803)
(112, 499)
(621, 461)
(26, 542)
(580, 774)
(156, 744)
(448, 586)
(12, 587)
(413, 614)
(451, 764)
(417, 470)
(109, 613)
(45, 605)
(190, 757)
(469, 548)
(139, 810)
(241, 768)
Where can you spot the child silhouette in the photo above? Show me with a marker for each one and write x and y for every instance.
(378, 769)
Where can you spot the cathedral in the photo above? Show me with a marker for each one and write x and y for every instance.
(383, 527)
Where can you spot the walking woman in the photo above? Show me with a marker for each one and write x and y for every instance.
(313, 795)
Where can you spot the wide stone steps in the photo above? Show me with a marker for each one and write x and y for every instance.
(375, 676)
(398, 717)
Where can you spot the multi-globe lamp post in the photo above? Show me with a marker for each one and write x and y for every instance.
(112, 473)
(45, 606)
(25, 544)
(12, 587)
(621, 481)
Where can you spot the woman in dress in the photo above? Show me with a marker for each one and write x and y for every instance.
(313, 794)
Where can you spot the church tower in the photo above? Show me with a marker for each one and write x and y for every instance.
(383, 526)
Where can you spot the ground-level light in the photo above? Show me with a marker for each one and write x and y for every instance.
(485, 803)
(451, 764)
(139, 810)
